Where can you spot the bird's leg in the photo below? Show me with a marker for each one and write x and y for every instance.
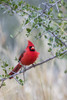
(33, 65)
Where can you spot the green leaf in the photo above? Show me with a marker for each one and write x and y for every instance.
(3, 75)
(39, 33)
(50, 49)
(49, 44)
(20, 80)
(59, 15)
(12, 67)
(50, 39)
(39, 19)
(0, 75)
(11, 35)
(59, 5)
(26, 21)
(28, 30)
(5, 64)
(49, 12)
(3, 84)
(16, 59)
(2, 66)
(27, 35)
(60, 23)
(15, 7)
(49, 21)
(20, 2)
(51, 9)
(65, 71)
(17, 77)
(5, 71)
(45, 36)
(57, 54)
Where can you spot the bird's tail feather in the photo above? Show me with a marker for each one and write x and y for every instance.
(16, 69)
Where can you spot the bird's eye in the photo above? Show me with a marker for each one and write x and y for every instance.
(32, 48)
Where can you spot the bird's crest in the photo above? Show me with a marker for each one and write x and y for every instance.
(30, 43)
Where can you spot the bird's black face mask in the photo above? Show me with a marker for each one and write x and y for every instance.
(31, 48)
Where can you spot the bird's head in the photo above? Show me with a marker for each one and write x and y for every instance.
(31, 46)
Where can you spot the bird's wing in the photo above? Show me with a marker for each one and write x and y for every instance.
(21, 56)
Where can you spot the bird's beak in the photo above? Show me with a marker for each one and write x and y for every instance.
(32, 48)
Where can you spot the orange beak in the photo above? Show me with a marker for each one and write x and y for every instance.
(32, 48)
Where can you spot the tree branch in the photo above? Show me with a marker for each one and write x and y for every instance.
(54, 35)
(32, 66)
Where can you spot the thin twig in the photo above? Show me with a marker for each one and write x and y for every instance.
(18, 81)
(57, 7)
(2, 83)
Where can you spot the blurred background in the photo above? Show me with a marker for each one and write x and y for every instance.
(45, 82)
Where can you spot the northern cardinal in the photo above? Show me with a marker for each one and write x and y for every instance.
(28, 57)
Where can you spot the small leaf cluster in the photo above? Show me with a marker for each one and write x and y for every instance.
(5, 67)
(20, 81)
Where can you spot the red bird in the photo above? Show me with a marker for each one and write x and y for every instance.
(28, 57)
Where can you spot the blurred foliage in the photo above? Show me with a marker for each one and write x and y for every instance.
(49, 19)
